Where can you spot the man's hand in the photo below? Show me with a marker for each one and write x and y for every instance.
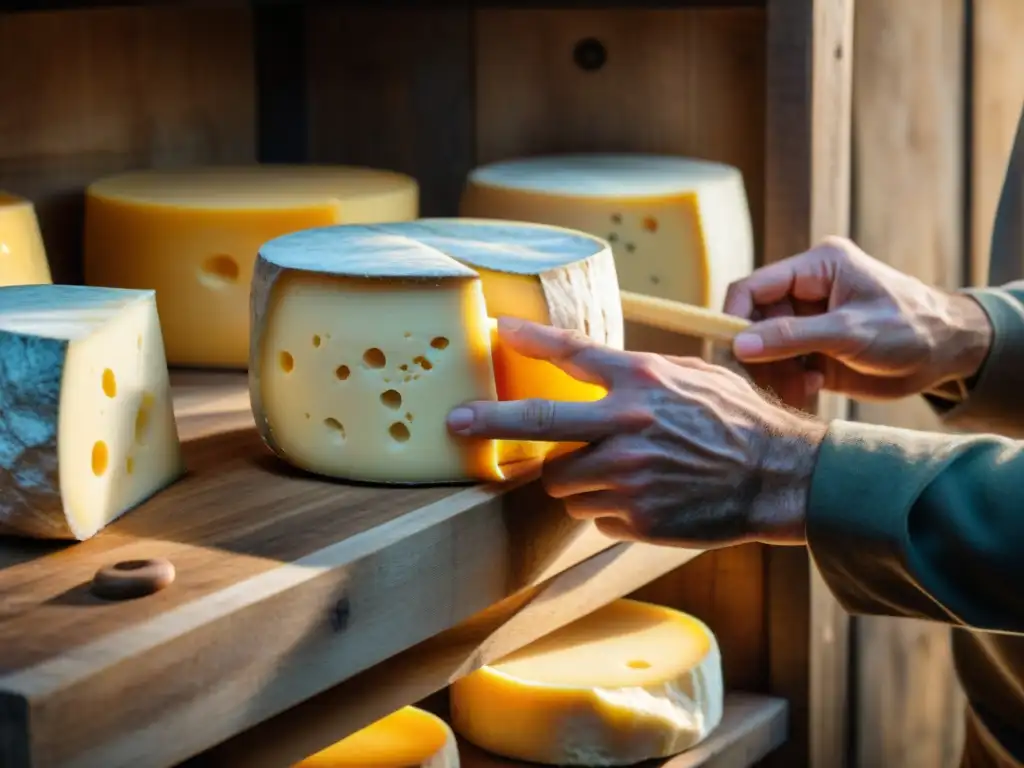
(679, 452)
(870, 331)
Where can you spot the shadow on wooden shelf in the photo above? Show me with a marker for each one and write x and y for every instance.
(752, 727)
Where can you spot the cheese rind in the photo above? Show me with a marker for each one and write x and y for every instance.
(406, 738)
(22, 253)
(192, 235)
(87, 427)
(630, 682)
(413, 296)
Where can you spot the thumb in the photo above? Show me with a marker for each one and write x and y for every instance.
(781, 338)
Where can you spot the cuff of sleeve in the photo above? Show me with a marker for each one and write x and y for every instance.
(865, 483)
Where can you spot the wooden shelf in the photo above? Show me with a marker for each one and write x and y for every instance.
(751, 727)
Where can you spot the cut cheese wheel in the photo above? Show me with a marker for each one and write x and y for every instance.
(404, 739)
(22, 254)
(87, 427)
(630, 682)
(366, 337)
(192, 235)
(680, 228)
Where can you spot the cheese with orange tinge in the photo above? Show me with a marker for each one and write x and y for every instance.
(630, 682)
(192, 236)
(366, 337)
(22, 253)
(87, 428)
(407, 738)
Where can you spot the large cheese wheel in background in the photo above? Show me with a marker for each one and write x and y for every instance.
(680, 228)
(408, 738)
(630, 682)
(192, 235)
(366, 337)
(22, 254)
(87, 427)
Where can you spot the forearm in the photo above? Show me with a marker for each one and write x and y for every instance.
(921, 525)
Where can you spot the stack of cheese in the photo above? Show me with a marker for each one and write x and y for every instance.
(366, 337)
(680, 228)
(22, 254)
(408, 738)
(192, 235)
(630, 682)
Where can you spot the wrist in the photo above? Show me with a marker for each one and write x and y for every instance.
(966, 346)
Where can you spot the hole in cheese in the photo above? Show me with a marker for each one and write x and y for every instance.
(342, 372)
(655, 279)
(650, 224)
(439, 342)
(616, 218)
(392, 398)
(286, 361)
(100, 457)
(630, 247)
(129, 465)
(408, 334)
(374, 358)
(138, 341)
(423, 363)
(613, 237)
(109, 383)
(142, 416)
(399, 432)
(638, 664)
(408, 416)
(337, 430)
(316, 340)
(403, 367)
(218, 270)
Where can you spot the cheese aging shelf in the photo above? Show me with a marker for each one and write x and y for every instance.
(304, 609)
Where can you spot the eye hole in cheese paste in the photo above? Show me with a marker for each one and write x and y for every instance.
(100, 457)
(399, 432)
(336, 428)
(423, 363)
(638, 664)
(392, 398)
(316, 340)
(286, 361)
(650, 224)
(142, 416)
(109, 383)
(374, 358)
(439, 342)
(342, 372)
(218, 271)
(129, 465)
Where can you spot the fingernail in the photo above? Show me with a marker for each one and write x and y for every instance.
(506, 323)
(747, 344)
(460, 419)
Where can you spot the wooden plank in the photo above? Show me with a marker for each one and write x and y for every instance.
(88, 93)
(810, 52)
(752, 726)
(287, 585)
(394, 89)
(998, 106)
(909, 95)
(428, 667)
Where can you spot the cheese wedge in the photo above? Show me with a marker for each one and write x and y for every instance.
(366, 337)
(404, 739)
(630, 682)
(22, 254)
(680, 228)
(87, 428)
(192, 235)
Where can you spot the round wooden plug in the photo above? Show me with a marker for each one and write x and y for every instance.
(130, 579)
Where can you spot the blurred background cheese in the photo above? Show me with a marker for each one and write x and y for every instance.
(680, 228)
(22, 253)
(192, 235)
(408, 738)
(630, 682)
(366, 337)
(87, 429)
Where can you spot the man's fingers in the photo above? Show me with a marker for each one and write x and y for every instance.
(805, 277)
(582, 358)
(548, 420)
(782, 338)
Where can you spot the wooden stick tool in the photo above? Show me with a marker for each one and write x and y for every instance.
(683, 318)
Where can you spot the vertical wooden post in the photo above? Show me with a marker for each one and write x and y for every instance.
(810, 53)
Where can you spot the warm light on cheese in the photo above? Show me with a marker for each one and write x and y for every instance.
(22, 254)
(680, 228)
(630, 682)
(192, 235)
(408, 738)
(86, 422)
(366, 337)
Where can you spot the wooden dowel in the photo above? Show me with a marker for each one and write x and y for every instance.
(678, 317)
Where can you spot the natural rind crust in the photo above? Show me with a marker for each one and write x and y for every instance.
(31, 371)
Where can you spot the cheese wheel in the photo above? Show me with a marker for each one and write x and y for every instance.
(366, 337)
(22, 254)
(630, 682)
(192, 235)
(406, 738)
(87, 427)
(680, 228)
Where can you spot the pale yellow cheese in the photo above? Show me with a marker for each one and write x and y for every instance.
(408, 738)
(192, 235)
(680, 228)
(22, 254)
(630, 682)
(366, 337)
(87, 427)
